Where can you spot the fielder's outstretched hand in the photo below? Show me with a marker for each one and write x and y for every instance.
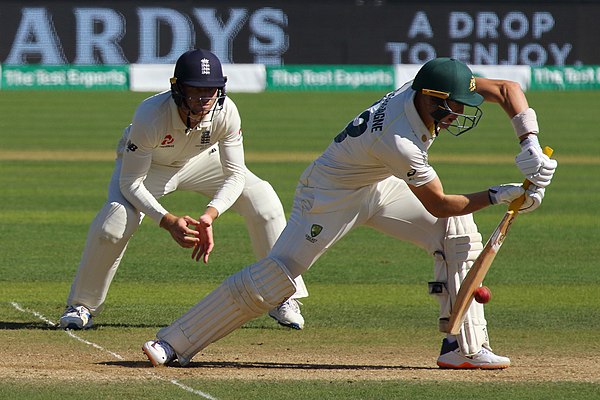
(179, 228)
(204, 235)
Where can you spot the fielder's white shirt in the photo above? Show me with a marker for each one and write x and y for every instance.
(389, 138)
(158, 136)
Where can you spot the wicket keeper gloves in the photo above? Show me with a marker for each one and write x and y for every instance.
(537, 167)
(509, 192)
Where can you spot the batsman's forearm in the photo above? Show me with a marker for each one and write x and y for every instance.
(462, 204)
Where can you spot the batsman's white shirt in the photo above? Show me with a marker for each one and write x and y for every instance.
(389, 138)
(158, 137)
(361, 179)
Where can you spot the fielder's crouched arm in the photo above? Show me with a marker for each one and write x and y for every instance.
(241, 297)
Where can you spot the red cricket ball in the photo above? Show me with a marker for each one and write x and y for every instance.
(482, 294)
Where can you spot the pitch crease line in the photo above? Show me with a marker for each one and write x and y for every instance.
(115, 355)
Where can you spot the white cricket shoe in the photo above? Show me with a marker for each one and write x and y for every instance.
(76, 317)
(451, 357)
(159, 352)
(288, 314)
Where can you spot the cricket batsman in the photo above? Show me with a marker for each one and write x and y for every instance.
(376, 173)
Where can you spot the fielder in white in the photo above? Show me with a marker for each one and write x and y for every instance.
(376, 173)
(189, 139)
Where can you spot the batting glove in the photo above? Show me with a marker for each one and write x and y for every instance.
(505, 193)
(511, 191)
(537, 167)
(533, 198)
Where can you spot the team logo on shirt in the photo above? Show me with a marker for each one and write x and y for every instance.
(315, 230)
(205, 138)
(167, 141)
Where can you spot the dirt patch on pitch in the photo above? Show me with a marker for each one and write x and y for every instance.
(82, 361)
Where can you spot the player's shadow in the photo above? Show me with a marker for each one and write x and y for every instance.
(15, 326)
(271, 365)
(45, 326)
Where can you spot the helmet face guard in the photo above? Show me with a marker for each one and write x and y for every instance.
(463, 122)
(180, 98)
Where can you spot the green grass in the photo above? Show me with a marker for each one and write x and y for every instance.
(304, 390)
(369, 290)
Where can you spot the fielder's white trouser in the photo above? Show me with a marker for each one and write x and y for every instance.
(319, 219)
(116, 222)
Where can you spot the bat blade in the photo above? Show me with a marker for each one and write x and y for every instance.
(482, 264)
(477, 273)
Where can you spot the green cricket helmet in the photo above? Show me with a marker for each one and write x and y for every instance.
(449, 79)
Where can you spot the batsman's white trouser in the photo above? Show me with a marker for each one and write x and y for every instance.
(319, 219)
(116, 222)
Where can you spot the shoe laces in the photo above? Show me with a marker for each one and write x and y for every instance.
(291, 304)
(79, 310)
(485, 351)
(481, 353)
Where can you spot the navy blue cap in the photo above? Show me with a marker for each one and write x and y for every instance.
(199, 68)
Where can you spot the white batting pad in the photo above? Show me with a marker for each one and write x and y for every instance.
(462, 245)
(242, 297)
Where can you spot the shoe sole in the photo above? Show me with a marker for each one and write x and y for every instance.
(291, 325)
(468, 365)
(288, 324)
(74, 327)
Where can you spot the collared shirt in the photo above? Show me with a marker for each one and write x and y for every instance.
(158, 136)
(388, 138)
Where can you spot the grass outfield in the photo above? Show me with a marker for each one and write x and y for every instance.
(371, 328)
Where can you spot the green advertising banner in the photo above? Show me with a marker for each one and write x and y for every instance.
(565, 78)
(71, 77)
(330, 77)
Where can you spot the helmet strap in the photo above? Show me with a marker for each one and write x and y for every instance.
(188, 123)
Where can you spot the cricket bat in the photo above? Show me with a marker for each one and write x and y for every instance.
(484, 261)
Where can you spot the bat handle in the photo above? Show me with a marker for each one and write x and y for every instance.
(518, 202)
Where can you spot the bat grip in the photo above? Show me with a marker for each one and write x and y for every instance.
(518, 202)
